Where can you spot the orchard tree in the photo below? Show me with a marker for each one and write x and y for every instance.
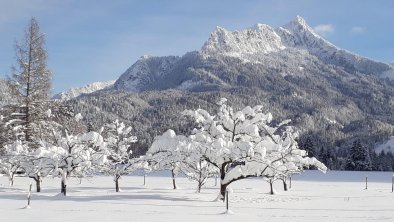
(78, 155)
(12, 160)
(165, 153)
(231, 139)
(68, 154)
(179, 153)
(194, 165)
(239, 144)
(36, 166)
(118, 140)
(284, 157)
(31, 82)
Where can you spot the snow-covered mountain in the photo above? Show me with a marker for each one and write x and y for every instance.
(291, 45)
(332, 95)
(148, 71)
(90, 88)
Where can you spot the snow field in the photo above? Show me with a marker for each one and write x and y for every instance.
(323, 199)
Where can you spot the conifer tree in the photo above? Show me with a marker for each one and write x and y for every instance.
(31, 82)
(359, 158)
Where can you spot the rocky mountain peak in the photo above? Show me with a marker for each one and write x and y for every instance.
(259, 39)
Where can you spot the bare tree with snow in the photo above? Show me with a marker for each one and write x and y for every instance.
(118, 139)
(194, 165)
(165, 153)
(240, 144)
(75, 155)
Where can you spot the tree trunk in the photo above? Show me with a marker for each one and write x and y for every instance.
(284, 185)
(117, 183)
(223, 187)
(199, 187)
(11, 178)
(63, 188)
(200, 180)
(38, 183)
(222, 194)
(63, 184)
(271, 187)
(173, 179)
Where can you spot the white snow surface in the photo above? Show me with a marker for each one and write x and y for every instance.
(90, 88)
(335, 196)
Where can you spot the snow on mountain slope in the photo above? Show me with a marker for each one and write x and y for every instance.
(90, 88)
(260, 39)
(146, 70)
(297, 35)
(387, 146)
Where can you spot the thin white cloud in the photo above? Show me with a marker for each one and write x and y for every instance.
(358, 29)
(324, 29)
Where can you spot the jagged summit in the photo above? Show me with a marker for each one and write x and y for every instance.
(300, 23)
(263, 39)
(259, 39)
(254, 44)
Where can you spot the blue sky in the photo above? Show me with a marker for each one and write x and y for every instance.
(97, 40)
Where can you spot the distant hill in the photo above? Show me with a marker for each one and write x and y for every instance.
(90, 88)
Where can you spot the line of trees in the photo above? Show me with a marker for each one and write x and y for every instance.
(235, 145)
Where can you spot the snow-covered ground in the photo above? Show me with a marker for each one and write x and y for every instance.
(334, 197)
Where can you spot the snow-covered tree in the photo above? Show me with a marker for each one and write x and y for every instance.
(12, 160)
(285, 156)
(164, 153)
(231, 139)
(31, 82)
(194, 165)
(37, 165)
(240, 144)
(118, 139)
(75, 155)
(180, 153)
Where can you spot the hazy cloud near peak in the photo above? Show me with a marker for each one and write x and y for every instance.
(324, 29)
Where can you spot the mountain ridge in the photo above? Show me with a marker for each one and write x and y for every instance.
(252, 45)
(87, 89)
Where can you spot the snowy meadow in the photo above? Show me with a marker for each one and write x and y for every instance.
(314, 196)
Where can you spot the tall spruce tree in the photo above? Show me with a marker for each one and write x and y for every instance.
(31, 82)
(359, 158)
